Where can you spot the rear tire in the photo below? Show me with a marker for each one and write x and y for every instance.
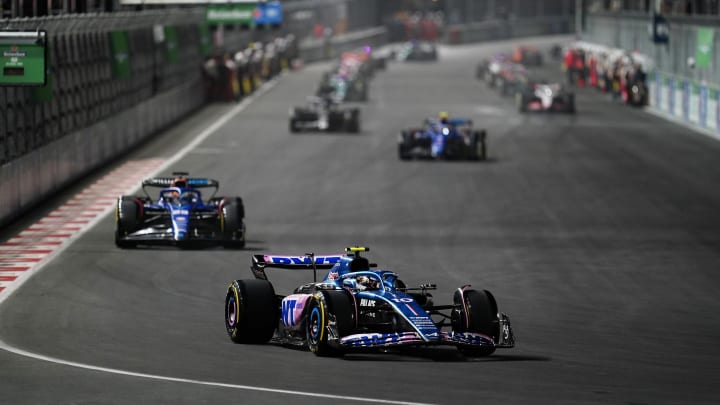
(251, 311)
(481, 145)
(232, 225)
(403, 149)
(521, 102)
(294, 128)
(353, 124)
(571, 103)
(477, 313)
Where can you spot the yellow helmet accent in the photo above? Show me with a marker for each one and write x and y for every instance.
(353, 249)
(443, 115)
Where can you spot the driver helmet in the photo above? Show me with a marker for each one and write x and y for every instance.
(444, 117)
(367, 283)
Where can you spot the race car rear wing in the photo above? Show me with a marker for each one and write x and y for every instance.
(306, 262)
(192, 182)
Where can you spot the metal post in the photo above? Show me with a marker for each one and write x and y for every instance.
(578, 17)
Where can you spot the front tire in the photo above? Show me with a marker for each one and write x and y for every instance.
(127, 220)
(251, 311)
(324, 307)
(476, 312)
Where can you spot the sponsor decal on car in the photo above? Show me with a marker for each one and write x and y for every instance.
(364, 302)
(301, 260)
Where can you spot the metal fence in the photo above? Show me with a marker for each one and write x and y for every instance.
(82, 88)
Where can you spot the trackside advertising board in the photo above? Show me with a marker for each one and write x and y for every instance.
(23, 58)
(120, 48)
(692, 102)
(252, 15)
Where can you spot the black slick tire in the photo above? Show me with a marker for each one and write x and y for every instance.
(232, 225)
(323, 307)
(477, 313)
(251, 311)
(127, 219)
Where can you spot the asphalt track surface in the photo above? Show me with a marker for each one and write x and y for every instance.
(599, 235)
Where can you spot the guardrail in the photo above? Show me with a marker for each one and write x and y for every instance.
(690, 102)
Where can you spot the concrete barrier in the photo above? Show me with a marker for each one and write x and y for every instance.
(32, 177)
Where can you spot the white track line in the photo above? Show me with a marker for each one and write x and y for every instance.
(6, 347)
(180, 154)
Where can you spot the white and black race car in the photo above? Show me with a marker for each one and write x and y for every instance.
(323, 114)
(545, 96)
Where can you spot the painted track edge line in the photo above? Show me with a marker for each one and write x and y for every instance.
(6, 347)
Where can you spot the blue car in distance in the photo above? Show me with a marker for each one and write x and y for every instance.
(179, 216)
(443, 138)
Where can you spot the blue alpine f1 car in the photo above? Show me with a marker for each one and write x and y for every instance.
(179, 215)
(357, 307)
(449, 139)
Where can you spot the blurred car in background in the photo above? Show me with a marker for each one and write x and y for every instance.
(324, 114)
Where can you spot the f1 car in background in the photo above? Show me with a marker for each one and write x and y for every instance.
(417, 51)
(343, 87)
(545, 96)
(179, 216)
(527, 55)
(357, 307)
(488, 69)
(324, 114)
(443, 138)
(510, 78)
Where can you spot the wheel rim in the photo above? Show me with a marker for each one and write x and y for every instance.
(314, 326)
(231, 311)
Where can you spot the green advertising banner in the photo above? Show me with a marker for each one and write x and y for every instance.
(171, 45)
(703, 52)
(206, 45)
(120, 48)
(230, 14)
(23, 58)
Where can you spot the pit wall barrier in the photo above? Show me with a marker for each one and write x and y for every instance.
(687, 101)
(34, 176)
